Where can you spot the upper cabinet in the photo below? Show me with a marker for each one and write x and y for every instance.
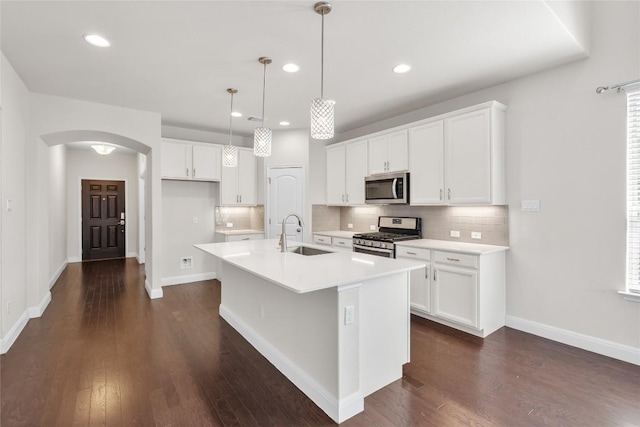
(238, 185)
(190, 161)
(388, 152)
(346, 170)
(459, 160)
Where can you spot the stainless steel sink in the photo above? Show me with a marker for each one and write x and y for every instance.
(305, 250)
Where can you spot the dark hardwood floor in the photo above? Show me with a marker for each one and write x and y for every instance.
(104, 354)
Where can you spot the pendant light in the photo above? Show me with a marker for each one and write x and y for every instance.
(230, 152)
(262, 135)
(322, 108)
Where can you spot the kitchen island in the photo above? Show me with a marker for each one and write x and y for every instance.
(335, 324)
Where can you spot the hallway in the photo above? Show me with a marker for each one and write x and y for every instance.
(103, 353)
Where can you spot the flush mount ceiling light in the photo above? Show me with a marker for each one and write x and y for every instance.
(262, 135)
(401, 68)
(230, 152)
(96, 40)
(236, 114)
(322, 117)
(284, 123)
(103, 149)
(291, 68)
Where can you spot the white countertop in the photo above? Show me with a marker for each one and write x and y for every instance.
(230, 232)
(299, 273)
(446, 245)
(337, 233)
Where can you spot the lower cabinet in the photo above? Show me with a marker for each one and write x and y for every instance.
(224, 237)
(334, 242)
(463, 291)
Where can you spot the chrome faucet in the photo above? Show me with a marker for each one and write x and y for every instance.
(283, 236)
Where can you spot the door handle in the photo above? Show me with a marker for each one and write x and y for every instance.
(298, 230)
(393, 188)
(122, 222)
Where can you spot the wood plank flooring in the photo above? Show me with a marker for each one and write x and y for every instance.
(104, 354)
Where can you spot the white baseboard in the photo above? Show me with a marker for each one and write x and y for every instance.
(607, 348)
(153, 293)
(7, 341)
(140, 261)
(73, 259)
(57, 274)
(178, 280)
(132, 255)
(40, 308)
(338, 410)
(30, 313)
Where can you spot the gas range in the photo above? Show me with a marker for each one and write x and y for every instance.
(391, 230)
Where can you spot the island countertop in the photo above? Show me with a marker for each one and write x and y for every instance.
(299, 273)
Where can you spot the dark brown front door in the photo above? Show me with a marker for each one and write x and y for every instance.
(102, 219)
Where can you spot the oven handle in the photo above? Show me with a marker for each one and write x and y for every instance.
(369, 248)
(393, 188)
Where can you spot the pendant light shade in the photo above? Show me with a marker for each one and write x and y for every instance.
(322, 117)
(262, 134)
(230, 151)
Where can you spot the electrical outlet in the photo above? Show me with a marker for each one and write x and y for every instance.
(229, 225)
(372, 227)
(530, 206)
(349, 225)
(476, 235)
(186, 262)
(454, 233)
(349, 315)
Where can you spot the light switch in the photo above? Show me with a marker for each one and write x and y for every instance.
(530, 206)
(9, 205)
(349, 314)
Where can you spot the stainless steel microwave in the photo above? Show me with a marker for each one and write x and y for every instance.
(387, 188)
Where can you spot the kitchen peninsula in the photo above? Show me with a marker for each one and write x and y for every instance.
(336, 324)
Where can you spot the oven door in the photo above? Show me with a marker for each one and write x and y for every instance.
(387, 253)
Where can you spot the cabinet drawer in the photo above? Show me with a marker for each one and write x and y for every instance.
(239, 237)
(418, 253)
(342, 243)
(321, 240)
(452, 258)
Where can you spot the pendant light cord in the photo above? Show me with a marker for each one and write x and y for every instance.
(322, 58)
(264, 89)
(231, 119)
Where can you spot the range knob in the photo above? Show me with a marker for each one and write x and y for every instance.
(369, 243)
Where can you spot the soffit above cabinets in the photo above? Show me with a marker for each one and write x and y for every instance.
(177, 58)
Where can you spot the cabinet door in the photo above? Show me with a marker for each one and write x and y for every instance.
(420, 291)
(426, 164)
(468, 158)
(175, 160)
(206, 163)
(378, 155)
(455, 294)
(241, 237)
(356, 171)
(397, 151)
(246, 177)
(336, 176)
(229, 186)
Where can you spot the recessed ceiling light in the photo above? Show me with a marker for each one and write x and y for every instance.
(402, 68)
(97, 40)
(283, 123)
(236, 114)
(291, 68)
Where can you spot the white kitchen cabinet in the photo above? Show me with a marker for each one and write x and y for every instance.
(459, 160)
(346, 170)
(388, 152)
(335, 242)
(238, 236)
(420, 289)
(238, 185)
(455, 294)
(188, 161)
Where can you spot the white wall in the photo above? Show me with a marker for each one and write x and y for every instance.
(182, 202)
(565, 146)
(57, 211)
(85, 164)
(15, 121)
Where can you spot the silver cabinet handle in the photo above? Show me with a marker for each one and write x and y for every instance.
(343, 197)
(434, 274)
(187, 171)
(247, 238)
(241, 198)
(449, 192)
(412, 253)
(453, 259)
(341, 243)
(194, 172)
(347, 198)
(426, 273)
(441, 194)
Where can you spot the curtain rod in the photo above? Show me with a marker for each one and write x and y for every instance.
(617, 86)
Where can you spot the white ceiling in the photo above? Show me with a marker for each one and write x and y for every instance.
(178, 57)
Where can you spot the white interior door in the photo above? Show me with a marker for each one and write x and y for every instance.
(285, 194)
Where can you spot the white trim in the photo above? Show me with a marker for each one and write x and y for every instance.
(607, 348)
(153, 293)
(132, 255)
(339, 410)
(138, 258)
(73, 259)
(630, 296)
(40, 308)
(178, 280)
(16, 329)
(342, 288)
(56, 275)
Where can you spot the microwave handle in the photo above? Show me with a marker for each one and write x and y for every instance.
(393, 188)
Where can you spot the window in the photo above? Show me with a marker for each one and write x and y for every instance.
(633, 190)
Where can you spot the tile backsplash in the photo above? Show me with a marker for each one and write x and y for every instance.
(242, 217)
(437, 221)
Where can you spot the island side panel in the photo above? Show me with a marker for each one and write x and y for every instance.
(384, 331)
(301, 327)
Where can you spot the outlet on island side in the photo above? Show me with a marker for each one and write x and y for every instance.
(186, 262)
